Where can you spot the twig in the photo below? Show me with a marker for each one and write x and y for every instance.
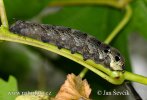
(121, 25)
(135, 77)
(112, 3)
(3, 15)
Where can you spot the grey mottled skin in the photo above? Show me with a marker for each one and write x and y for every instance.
(74, 40)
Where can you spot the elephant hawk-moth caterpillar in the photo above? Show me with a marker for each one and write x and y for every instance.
(74, 40)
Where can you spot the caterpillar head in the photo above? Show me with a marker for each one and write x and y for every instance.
(116, 60)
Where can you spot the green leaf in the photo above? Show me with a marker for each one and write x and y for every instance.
(23, 9)
(7, 89)
(14, 62)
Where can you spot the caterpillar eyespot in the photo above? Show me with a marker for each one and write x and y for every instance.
(107, 49)
(117, 58)
(73, 40)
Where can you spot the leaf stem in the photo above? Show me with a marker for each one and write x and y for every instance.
(135, 77)
(3, 15)
(121, 25)
(83, 72)
(112, 3)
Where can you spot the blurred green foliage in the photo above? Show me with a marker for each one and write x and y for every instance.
(8, 88)
(98, 21)
(24, 9)
(13, 61)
